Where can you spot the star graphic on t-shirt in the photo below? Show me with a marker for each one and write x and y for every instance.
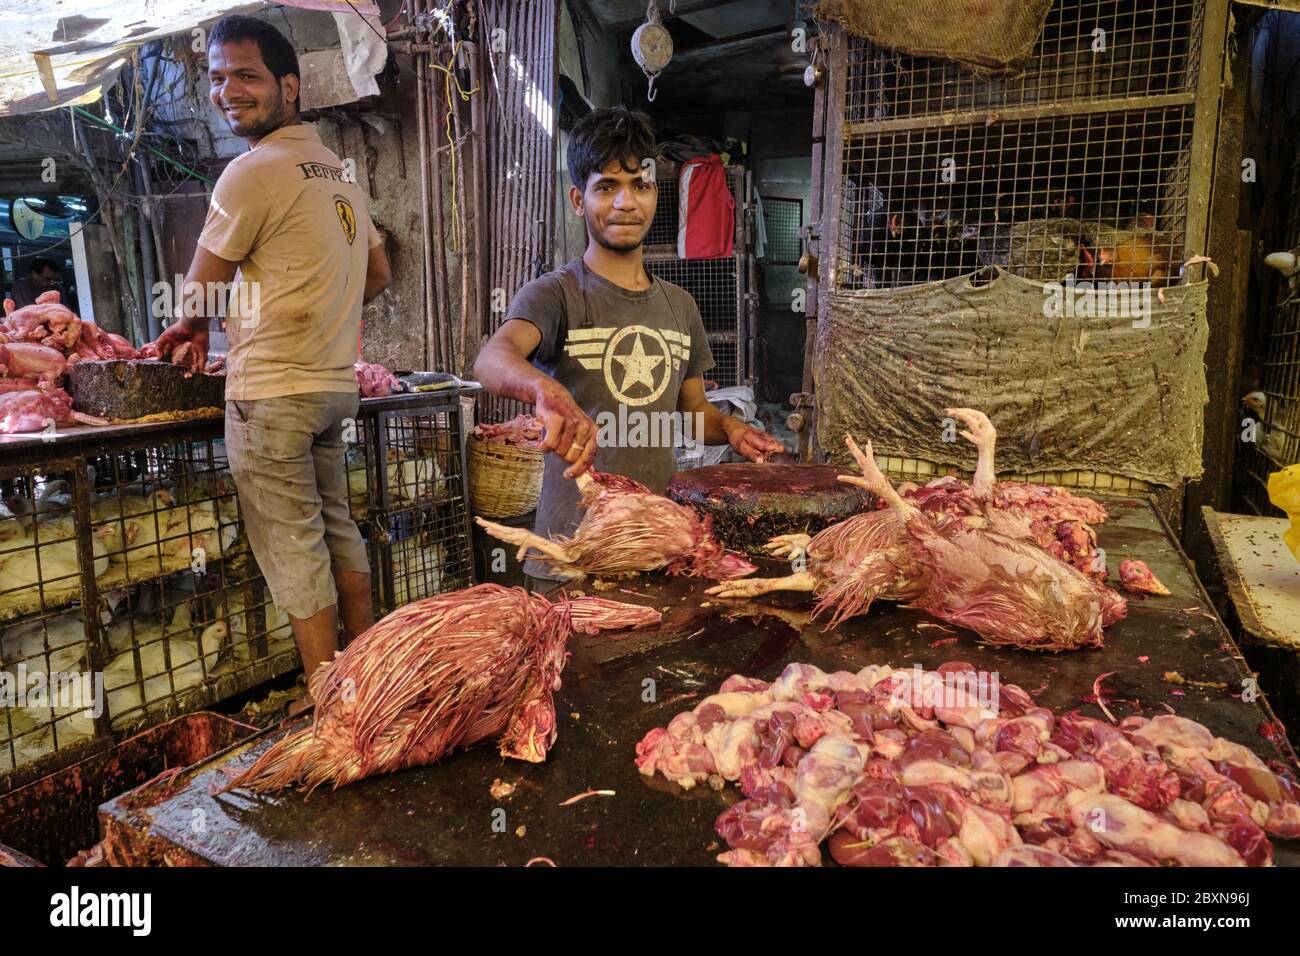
(637, 366)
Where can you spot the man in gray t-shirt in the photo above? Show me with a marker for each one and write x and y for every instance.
(617, 356)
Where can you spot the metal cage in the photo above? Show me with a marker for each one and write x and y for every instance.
(417, 509)
(1275, 428)
(1079, 165)
(782, 223)
(661, 238)
(173, 615)
(179, 614)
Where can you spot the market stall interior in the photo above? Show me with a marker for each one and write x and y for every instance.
(1015, 294)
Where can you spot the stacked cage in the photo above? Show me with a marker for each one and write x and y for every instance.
(174, 614)
(720, 287)
(1082, 157)
(409, 493)
(1273, 424)
(128, 593)
(1076, 168)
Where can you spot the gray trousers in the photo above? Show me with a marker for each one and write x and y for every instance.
(288, 458)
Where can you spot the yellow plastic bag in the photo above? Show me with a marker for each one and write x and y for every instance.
(1284, 491)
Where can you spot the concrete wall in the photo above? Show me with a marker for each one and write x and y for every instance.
(386, 159)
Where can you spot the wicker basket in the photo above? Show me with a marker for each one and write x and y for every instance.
(505, 481)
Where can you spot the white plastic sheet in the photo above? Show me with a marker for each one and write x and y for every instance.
(51, 56)
(364, 50)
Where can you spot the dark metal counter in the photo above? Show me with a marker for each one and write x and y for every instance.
(446, 815)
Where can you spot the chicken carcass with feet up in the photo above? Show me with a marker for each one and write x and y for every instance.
(627, 528)
(982, 575)
(997, 584)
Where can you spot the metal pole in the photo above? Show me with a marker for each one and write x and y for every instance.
(422, 127)
(443, 317)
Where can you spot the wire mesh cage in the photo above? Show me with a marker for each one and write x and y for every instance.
(726, 355)
(128, 594)
(1272, 429)
(782, 221)
(1076, 167)
(418, 512)
(716, 287)
(661, 238)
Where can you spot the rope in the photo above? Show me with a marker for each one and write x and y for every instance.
(464, 97)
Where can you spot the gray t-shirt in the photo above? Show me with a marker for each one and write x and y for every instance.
(611, 347)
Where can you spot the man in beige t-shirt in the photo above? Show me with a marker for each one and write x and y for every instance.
(289, 225)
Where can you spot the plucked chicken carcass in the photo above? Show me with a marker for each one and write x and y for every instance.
(33, 360)
(627, 528)
(526, 431)
(994, 582)
(985, 575)
(1059, 522)
(56, 327)
(34, 409)
(435, 675)
(909, 768)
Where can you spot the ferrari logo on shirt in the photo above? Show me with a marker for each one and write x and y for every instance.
(347, 218)
(636, 361)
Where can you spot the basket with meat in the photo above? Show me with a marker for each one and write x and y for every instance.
(505, 467)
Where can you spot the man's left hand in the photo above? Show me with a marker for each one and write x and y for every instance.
(750, 442)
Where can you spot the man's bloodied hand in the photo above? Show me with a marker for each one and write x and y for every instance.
(570, 433)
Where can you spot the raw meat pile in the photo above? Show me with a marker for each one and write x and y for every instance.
(979, 571)
(37, 345)
(434, 675)
(935, 768)
(522, 430)
(374, 381)
(54, 326)
(627, 528)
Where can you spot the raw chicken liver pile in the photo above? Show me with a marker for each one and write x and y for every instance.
(951, 768)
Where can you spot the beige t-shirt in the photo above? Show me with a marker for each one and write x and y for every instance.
(301, 233)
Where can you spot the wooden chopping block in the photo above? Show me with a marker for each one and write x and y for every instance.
(132, 388)
(751, 503)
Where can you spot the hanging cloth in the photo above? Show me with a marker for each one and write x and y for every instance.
(706, 210)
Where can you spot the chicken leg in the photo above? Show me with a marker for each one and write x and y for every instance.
(524, 539)
(874, 481)
(980, 433)
(752, 587)
(788, 545)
